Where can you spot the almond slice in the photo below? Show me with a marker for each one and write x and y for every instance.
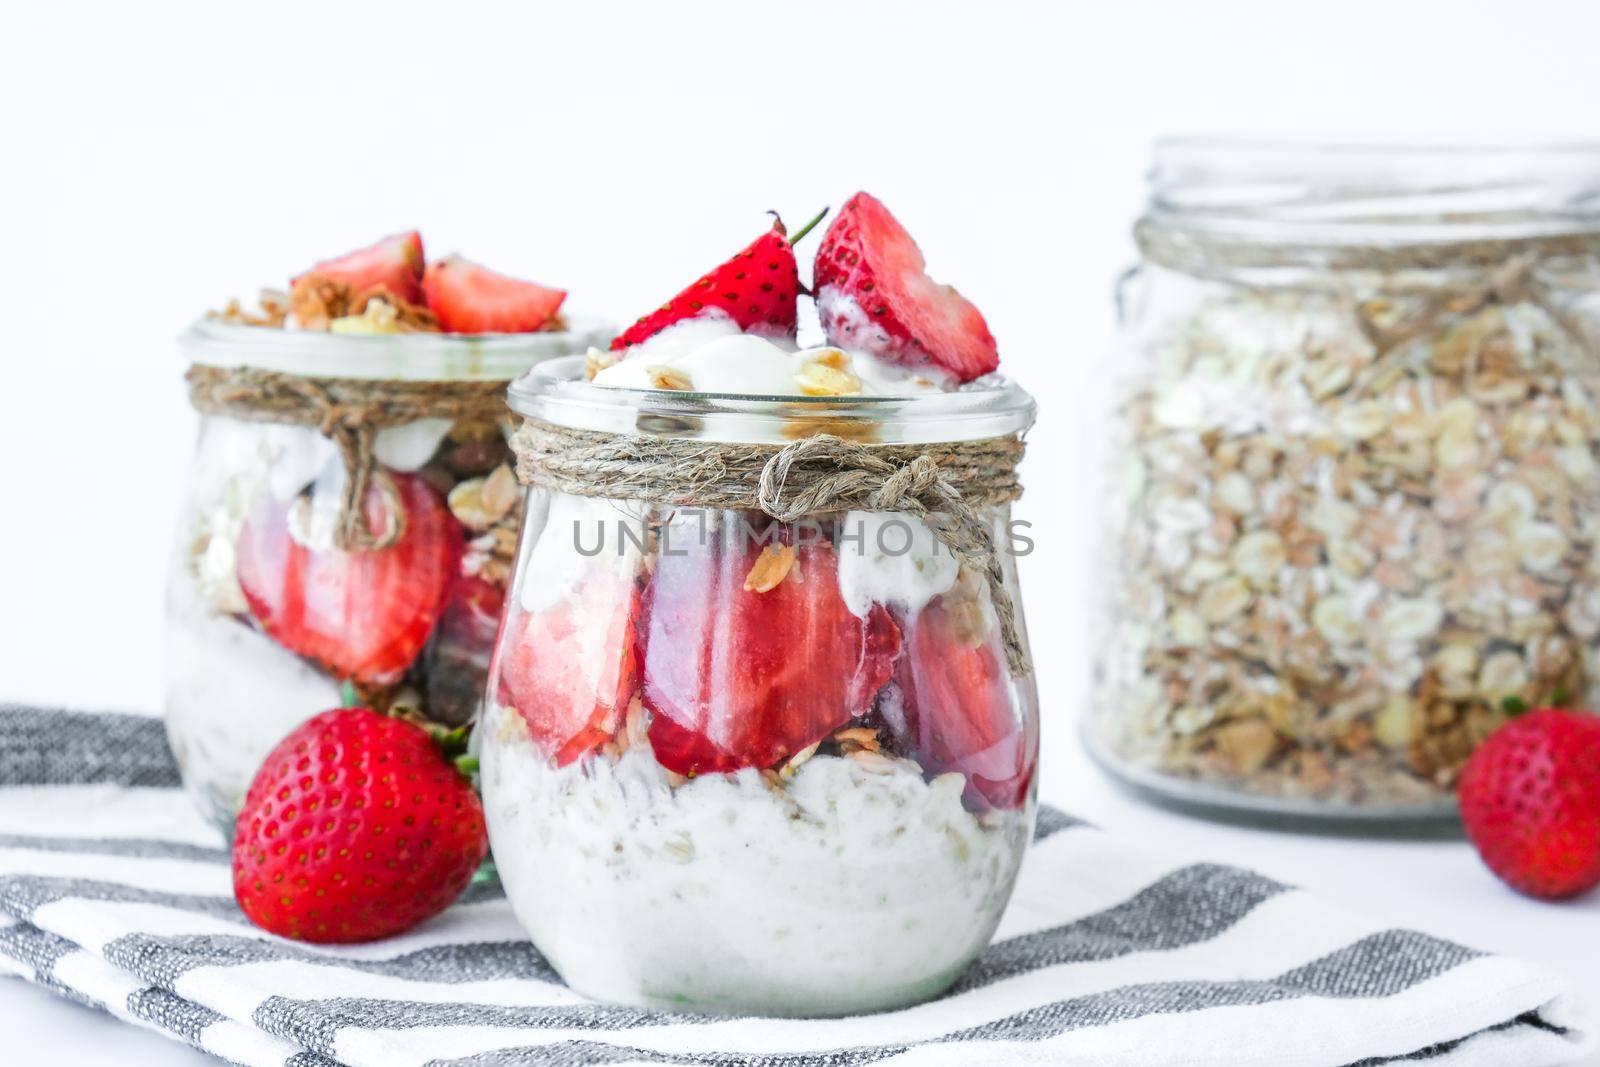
(798, 760)
(500, 491)
(668, 378)
(865, 736)
(597, 360)
(770, 569)
(827, 374)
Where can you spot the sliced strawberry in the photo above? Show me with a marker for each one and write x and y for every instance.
(874, 295)
(394, 263)
(956, 712)
(569, 669)
(363, 615)
(468, 298)
(739, 678)
(757, 287)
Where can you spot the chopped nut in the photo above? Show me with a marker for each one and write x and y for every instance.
(799, 759)
(668, 378)
(827, 374)
(598, 359)
(769, 569)
(1247, 744)
(471, 503)
(863, 736)
(500, 491)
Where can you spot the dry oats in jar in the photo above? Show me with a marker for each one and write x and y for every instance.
(1353, 494)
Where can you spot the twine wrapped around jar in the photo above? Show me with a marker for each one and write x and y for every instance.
(349, 412)
(946, 485)
(1453, 279)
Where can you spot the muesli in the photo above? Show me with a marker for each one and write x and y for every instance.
(1353, 527)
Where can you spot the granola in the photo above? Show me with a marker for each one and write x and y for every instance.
(1347, 533)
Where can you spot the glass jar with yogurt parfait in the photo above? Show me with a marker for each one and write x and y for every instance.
(742, 756)
(1354, 495)
(289, 586)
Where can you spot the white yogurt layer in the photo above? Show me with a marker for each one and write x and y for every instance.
(853, 888)
(714, 356)
(232, 694)
(894, 559)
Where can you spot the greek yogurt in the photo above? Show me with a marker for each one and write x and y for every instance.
(231, 694)
(858, 886)
(887, 557)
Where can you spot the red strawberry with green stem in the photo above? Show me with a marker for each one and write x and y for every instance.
(756, 288)
(1530, 802)
(363, 614)
(356, 827)
(874, 295)
(955, 708)
(568, 668)
(738, 677)
(394, 263)
(468, 298)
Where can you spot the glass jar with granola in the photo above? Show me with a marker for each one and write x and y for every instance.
(1354, 498)
(761, 730)
(352, 513)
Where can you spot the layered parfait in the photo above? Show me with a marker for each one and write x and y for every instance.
(733, 764)
(270, 620)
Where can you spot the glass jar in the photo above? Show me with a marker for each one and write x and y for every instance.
(1353, 504)
(737, 765)
(267, 618)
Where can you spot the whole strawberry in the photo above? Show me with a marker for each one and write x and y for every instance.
(756, 288)
(355, 828)
(1530, 800)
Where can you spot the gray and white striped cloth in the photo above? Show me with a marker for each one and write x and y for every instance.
(114, 893)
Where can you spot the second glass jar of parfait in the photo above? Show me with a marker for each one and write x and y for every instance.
(1355, 490)
(733, 764)
(269, 620)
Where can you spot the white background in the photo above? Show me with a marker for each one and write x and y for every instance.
(160, 158)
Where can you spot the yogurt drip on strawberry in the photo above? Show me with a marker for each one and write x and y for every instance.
(711, 354)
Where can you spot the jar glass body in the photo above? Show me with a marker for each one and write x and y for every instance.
(267, 620)
(1352, 494)
(737, 765)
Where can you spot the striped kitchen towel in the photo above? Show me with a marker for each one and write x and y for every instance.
(114, 893)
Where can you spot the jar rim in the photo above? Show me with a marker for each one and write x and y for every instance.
(557, 391)
(393, 357)
(1338, 193)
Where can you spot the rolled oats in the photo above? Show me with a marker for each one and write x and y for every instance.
(1345, 533)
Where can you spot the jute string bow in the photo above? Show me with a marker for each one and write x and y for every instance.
(349, 412)
(946, 485)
